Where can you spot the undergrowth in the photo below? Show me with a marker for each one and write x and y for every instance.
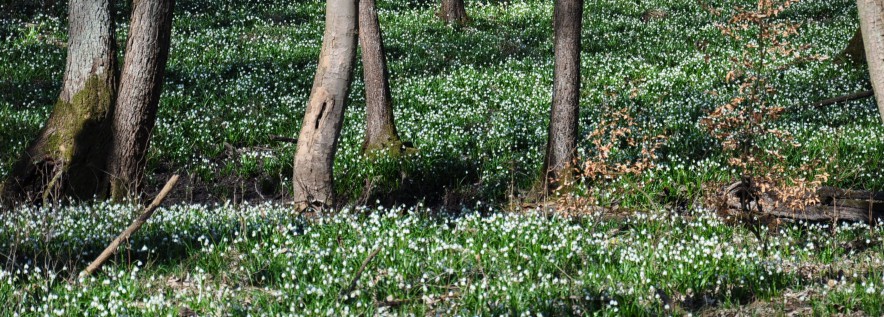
(261, 260)
(473, 100)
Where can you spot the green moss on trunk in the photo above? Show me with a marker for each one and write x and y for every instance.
(391, 146)
(88, 108)
(69, 156)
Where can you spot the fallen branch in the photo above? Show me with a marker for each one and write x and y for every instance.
(361, 269)
(112, 248)
(844, 98)
(835, 204)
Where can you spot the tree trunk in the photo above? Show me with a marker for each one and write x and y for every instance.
(321, 128)
(69, 155)
(855, 52)
(871, 21)
(141, 83)
(562, 136)
(380, 129)
(453, 11)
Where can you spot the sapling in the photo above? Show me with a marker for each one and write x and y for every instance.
(746, 125)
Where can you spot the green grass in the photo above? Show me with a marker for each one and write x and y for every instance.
(474, 102)
(261, 260)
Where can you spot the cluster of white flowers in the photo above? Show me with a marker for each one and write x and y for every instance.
(474, 101)
(261, 258)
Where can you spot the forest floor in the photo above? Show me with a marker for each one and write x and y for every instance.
(474, 102)
(263, 260)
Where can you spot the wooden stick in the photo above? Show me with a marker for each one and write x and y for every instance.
(112, 248)
(361, 269)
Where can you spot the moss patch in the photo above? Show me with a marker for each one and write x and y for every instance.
(90, 105)
(393, 147)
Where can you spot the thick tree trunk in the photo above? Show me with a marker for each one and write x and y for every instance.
(321, 128)
(69, 155)
(855, 52)
(453, 11)
(871, 21)
(380, 129)
(562, 137)
(141, 83)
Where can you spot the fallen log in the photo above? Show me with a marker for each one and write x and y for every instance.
(835, 204)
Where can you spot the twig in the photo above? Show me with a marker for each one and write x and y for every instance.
(361, 269)
(570, 279)
(51, 186)
(112, 248)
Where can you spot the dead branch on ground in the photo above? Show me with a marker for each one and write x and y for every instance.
(112, 248)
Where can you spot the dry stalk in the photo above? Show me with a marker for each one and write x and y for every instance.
(359, 272)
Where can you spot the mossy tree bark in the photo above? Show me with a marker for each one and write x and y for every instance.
(68, 157)
(562, 133)
(453, 12)
(855, 52)
(871, 22)
(380, 128)
(321, 128)
(141, 82)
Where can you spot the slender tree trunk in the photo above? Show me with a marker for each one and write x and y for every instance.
(453, 11)
(69, 155)
(562, 137)
(321, 128)
(855, 52)
(380, 129)
(141, 83)
(871, 21)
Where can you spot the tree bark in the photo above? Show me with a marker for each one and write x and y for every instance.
(380, 128)
(562, 134)
(141, 84)
(321, 128)
(871, 21)
(68, 157)
(453, 11)
(855, 52)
